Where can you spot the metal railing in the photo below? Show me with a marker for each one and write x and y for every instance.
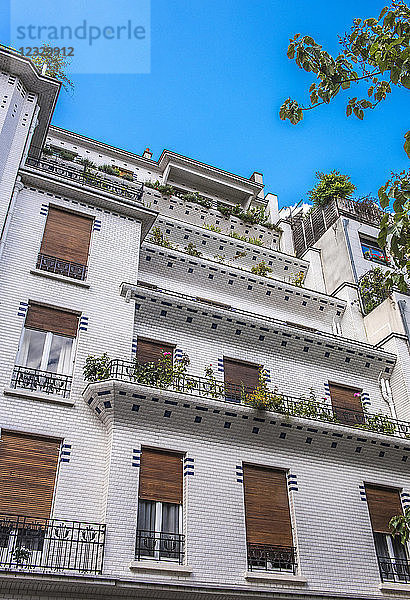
(264, 557)
(303, 407)
(132, 191)
(27, 543)
(41, 381)
(158, 545)
(394, 569)
(52, 264)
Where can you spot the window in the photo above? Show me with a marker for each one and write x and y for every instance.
(152, 350)
(347, 404)
(372, 251)
(267, 515)
(159, 520)
(384, 503)
(65, 245)
(239, 377)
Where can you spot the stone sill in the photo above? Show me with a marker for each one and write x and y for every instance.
(275, 577)
(404, 588)
(160, 567)
(32, 395)
(63, 278)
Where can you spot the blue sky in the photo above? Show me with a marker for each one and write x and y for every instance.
(219, 74)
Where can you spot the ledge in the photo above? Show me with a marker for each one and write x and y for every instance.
(160, 567)
(53, 399)
(57, 277)
(275, 577)
(404, 588)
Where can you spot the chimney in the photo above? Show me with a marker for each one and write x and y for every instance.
(147, 153)
(256, 177)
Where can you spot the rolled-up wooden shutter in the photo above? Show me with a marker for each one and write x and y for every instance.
(28, 467)
(67, 236)
(347, 407)
(384, 503)
(55, 320)
(161, 476)
(152, 350)
(267, 506)
(239, 374)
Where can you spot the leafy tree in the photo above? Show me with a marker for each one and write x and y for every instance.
(331, 185)
(400, 525)
(55, 64)
(376, 52)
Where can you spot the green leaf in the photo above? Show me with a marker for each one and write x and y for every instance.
(384, 11)
(407, 144)
(348, 110)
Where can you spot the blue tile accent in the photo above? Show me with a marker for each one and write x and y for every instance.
(135, 464)
(22, 309)
(239, 480)
(44, 209)
(97, 225)
(83, 323)
(66, 460)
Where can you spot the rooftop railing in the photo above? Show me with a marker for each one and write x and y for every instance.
(29, 544)
(303, 407)
(88, 178)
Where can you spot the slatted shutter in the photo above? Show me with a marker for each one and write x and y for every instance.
(347, 407)
(67, 236)
(239, 374)
(161, 476)
(151, 350)
(28, 467)
(383, 503)
(267, 512)
(55, 320)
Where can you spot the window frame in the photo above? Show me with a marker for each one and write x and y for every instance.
(156, 555)
(369, 245)
(45, 355)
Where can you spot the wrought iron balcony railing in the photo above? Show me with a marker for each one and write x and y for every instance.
(41, 381)
(51, 264)
(159, 546)
(51, 544)
(131, 191)
(394, 569)
(307, 408)
(264, 557)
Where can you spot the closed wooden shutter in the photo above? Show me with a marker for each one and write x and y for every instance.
(55, 320)
(347, 407)
(67, 236)
(239, 374)
(151, 350)
(383, 503)
(161, 476)
(28, 467)
(267, 507)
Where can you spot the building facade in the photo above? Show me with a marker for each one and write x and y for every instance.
(241, 427)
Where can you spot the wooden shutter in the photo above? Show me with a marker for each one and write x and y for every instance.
(347, 407)
(55, 320)
(67, 236)
(161, 476)
(383, 503)
(151, 350)
(267, 507)
(28, 467)
(238, 374)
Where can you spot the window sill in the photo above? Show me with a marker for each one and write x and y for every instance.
(32, 395)
(395, 587)
(57, 277)
(160, 567)
(275, 577)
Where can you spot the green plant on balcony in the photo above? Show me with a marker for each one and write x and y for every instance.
(47, 151)
(212, 228)
(165, 373)
(400, 525)
(297, 278)
(197, 198)
(309, 408)
(261, 269)
(374, 288)
(167, 190)
(239, 255)
(213, 388)
(63, 153)
(330, 186)
(97, 368)
(22, 555)
(243, 238)
(221, 258)
(127, 177)
(253, 216)
(255, 241)
(379, 423)
(192, 250)
(262, 398)
(109, 169)
(159, 238)
(87, 164)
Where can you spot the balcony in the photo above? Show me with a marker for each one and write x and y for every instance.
(51, 264)
(156, 545)
(302, 407)
(87, 178)
(28, 544)
(395, 570)
(263, 557)
(41, 381)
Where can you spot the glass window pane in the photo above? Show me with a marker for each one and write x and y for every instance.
(59, 360)
(146, 542)
(146, 515)
(170, 518)
(31, 350)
